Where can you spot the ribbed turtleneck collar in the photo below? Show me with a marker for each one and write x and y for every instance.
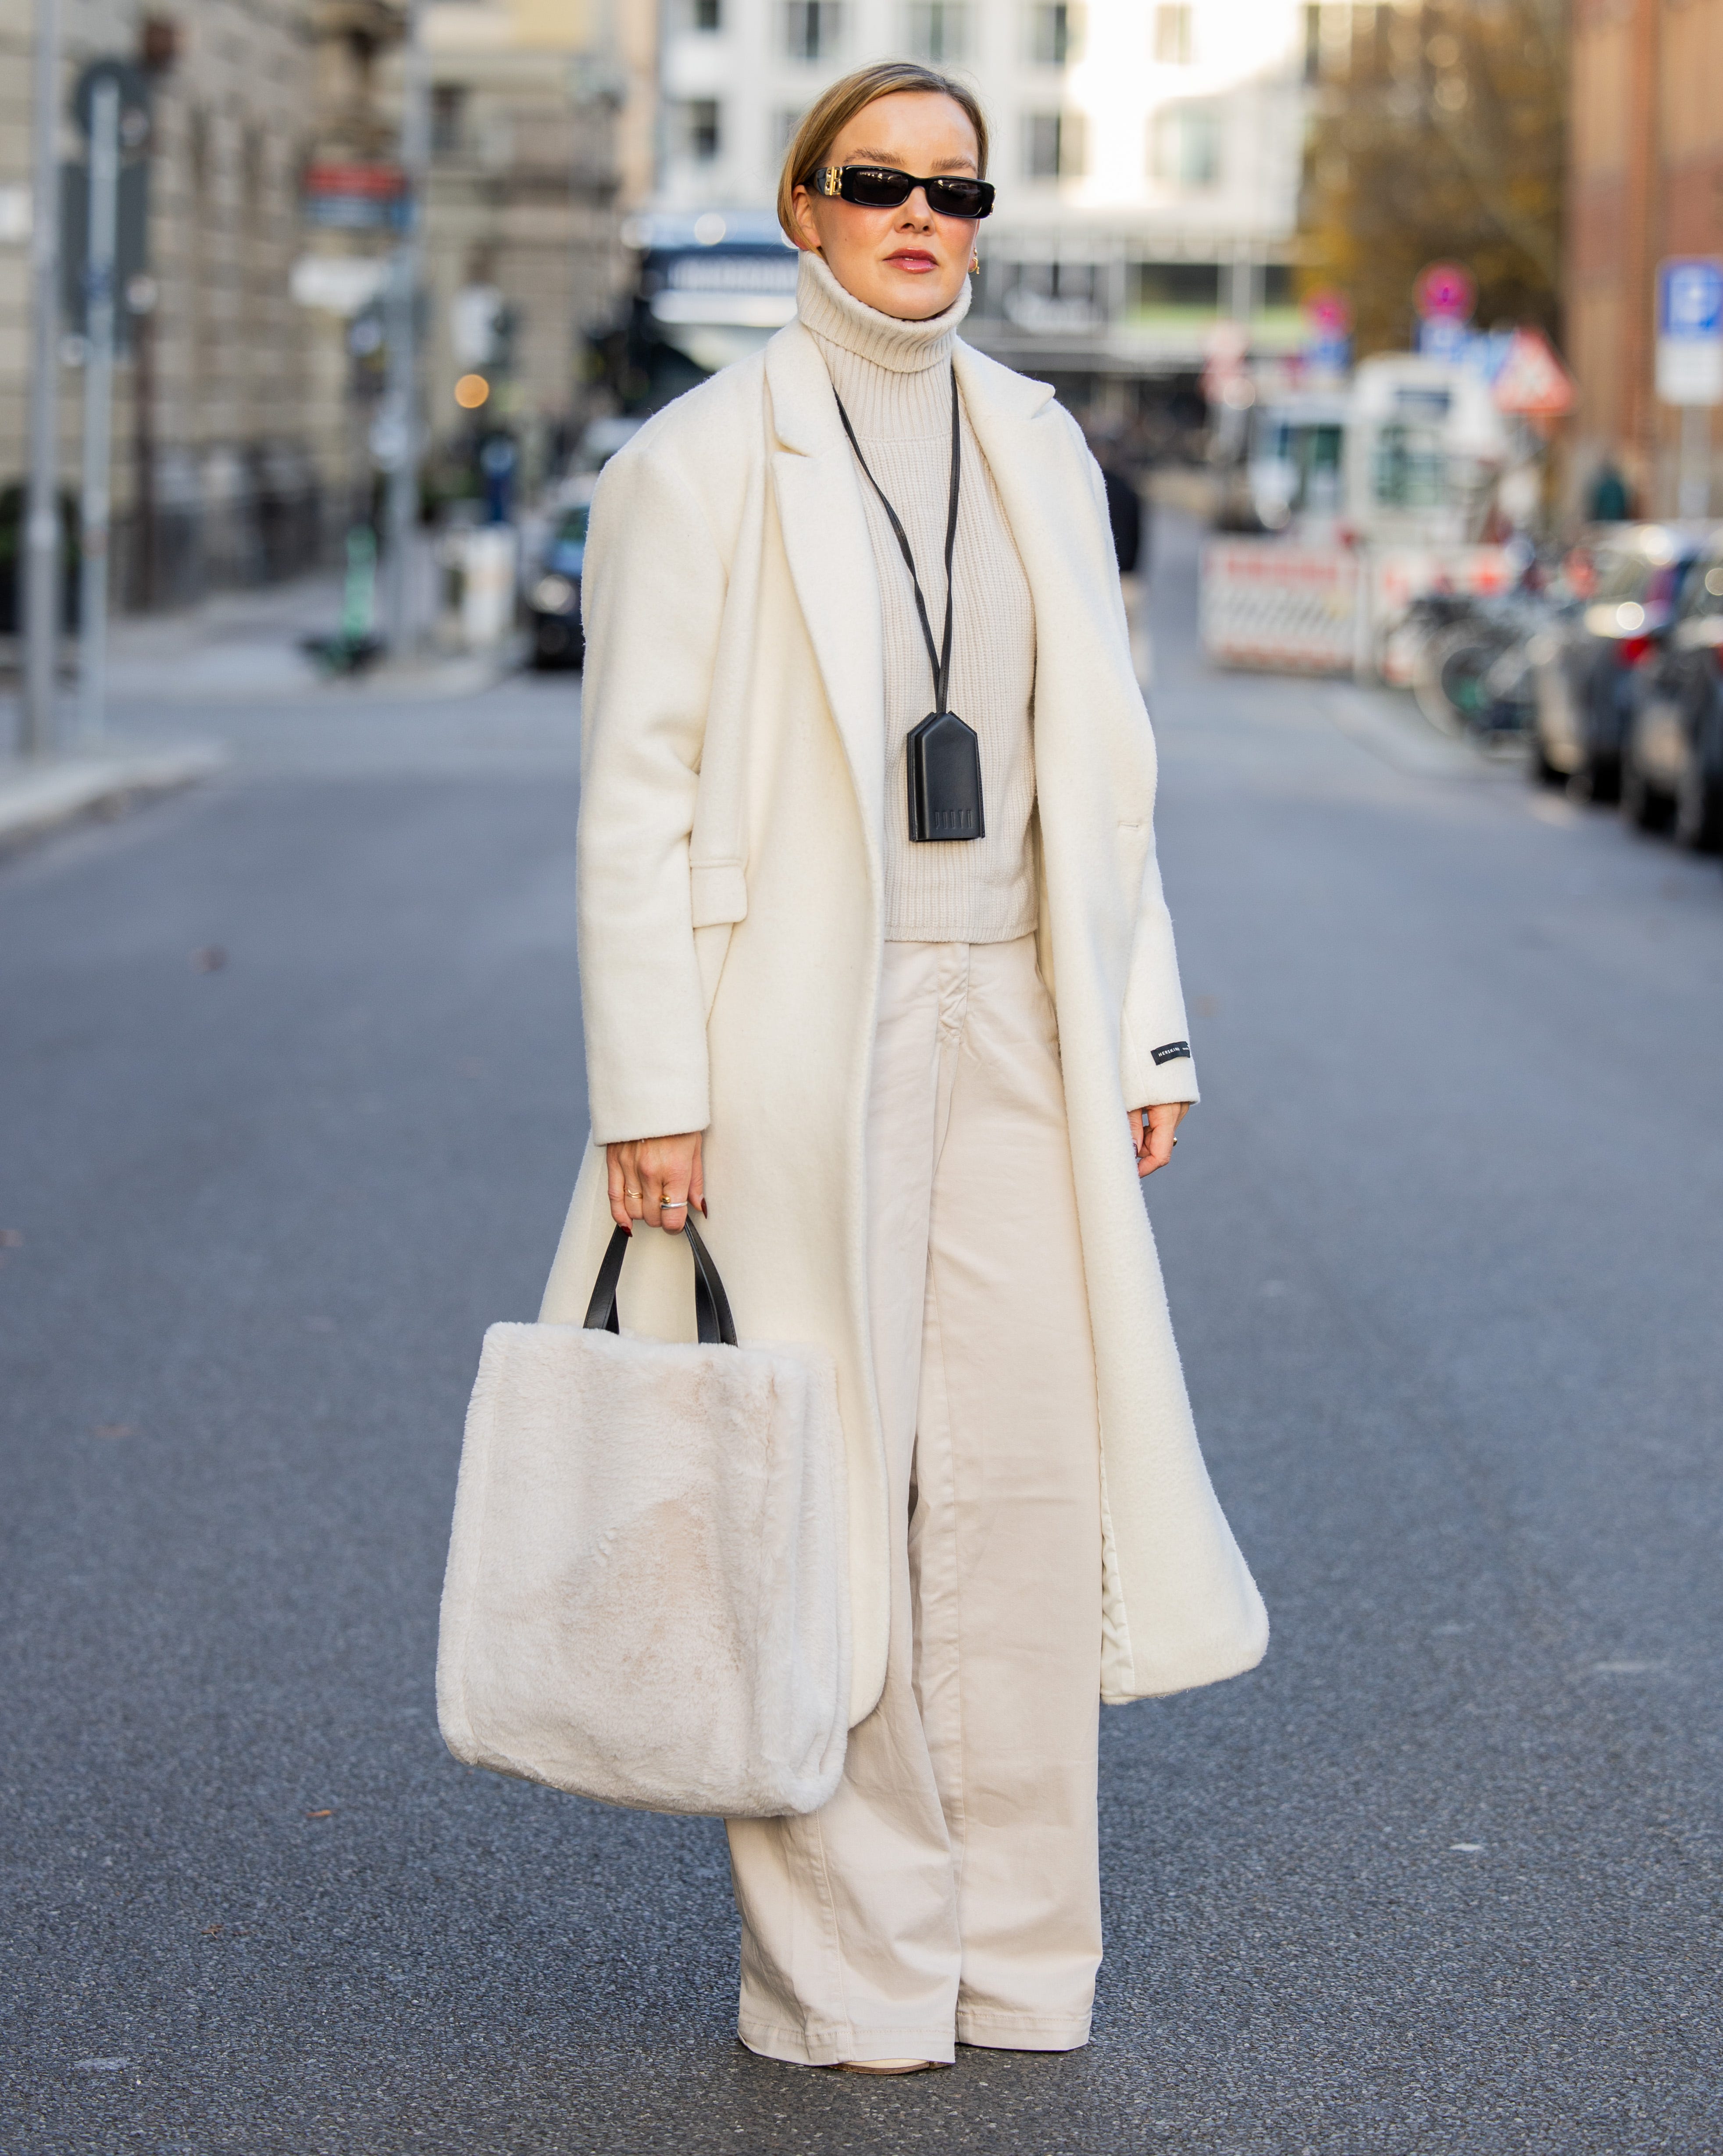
(838, 317)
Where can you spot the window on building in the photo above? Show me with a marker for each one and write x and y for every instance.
(1186, 146)
(701, 138)
(1055, 32)
(251, 170)
(1172, 35)
(813, 28)
(937, 30)
(705, 14)
(449, 118)
(1176, 284)
(1054, 146)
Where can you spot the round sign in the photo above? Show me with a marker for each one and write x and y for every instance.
(1444, 292)
(133, 86)
(1329, 312)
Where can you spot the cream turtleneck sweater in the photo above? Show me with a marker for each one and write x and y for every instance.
(895, 379)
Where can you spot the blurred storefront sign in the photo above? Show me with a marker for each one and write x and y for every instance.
(352, 196)
(343, 285)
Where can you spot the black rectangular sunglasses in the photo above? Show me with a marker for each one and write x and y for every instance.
(883, 186)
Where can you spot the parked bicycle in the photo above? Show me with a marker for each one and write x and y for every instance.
(1472, 673)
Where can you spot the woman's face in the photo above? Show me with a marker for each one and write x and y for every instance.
(905, 261)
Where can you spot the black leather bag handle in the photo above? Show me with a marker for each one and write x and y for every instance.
(713, 1323)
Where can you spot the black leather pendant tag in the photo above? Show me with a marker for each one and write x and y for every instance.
(944, 762)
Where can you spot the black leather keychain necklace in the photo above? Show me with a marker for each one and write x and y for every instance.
(944, 755)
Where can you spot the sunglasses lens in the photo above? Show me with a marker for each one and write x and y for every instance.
(875, 186)
(958, 197)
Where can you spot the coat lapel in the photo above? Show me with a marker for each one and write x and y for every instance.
(831, 557)
(1063, 539)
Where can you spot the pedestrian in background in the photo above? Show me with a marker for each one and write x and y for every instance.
(1128, 522)
(876, 970)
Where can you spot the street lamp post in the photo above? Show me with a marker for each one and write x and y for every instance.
(42, 535)
(97, 410)
(401, 403)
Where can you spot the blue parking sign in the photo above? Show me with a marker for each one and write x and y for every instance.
(1689, 298)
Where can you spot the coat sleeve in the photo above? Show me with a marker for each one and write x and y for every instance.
(1153, 1019)
(652, 595)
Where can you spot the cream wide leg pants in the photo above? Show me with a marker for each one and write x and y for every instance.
(949, 1890)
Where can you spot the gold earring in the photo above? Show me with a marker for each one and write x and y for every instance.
(975, 265)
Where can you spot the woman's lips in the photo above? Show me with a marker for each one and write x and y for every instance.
(913, 258)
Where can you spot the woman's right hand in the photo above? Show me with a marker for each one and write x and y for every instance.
(656, 1180)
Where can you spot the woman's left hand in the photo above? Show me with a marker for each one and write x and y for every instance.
(1151, 1130)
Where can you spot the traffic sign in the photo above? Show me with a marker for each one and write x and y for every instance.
(133, 86)
(131, 247)
(1444, 337)
(1689, 330)
(1329, 313)
(1532, 384)
(1444, 292)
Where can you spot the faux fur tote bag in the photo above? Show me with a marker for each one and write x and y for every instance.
(647, 1596)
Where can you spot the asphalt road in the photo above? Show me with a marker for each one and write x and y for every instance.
(1443, 1248)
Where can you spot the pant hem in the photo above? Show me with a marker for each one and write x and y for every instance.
(1022, 2032)
(839, 2046)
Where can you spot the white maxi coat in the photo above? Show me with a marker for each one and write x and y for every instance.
(732, 923)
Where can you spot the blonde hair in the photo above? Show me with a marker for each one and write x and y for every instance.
(833, 109)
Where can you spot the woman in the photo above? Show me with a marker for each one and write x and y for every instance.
(918, 1075)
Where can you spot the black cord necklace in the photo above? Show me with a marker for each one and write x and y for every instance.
(943, 755)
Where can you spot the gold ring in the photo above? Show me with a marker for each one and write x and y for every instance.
(634, 1193)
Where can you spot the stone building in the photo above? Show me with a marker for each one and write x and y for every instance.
(1646, 180)
(243, 406)
(213, 421)
(541, 138)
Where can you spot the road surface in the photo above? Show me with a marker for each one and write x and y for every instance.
(291, 1084)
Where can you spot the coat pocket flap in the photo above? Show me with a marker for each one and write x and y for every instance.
(720, 892)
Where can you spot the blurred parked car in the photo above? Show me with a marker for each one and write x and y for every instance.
(553, 593)
(1626, 580)
(1672, 755)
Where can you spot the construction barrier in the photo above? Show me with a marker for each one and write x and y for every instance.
(1275, 604)
(1291, 608)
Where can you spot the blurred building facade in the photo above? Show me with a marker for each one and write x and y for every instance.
(1147, 157)
(1646, 180)
(244, 404)
(216, 421)
(541, 138)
